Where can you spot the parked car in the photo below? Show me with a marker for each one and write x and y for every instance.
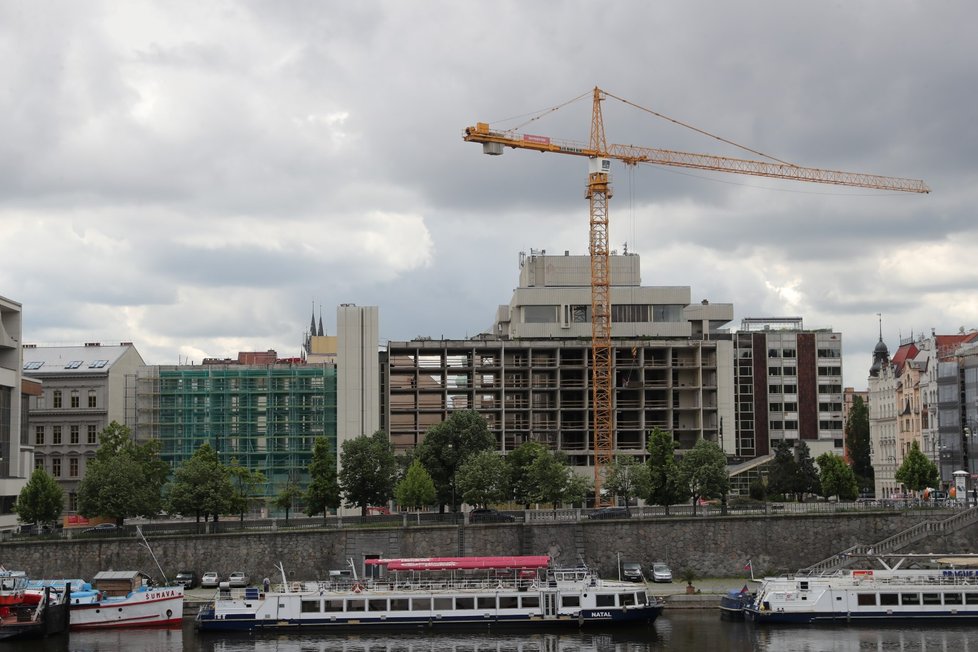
(484, 515)
(102, 528)
(187, 578)
(631, 571)
(661, 572)
(210, 580)
(610, 512)
(238, 579)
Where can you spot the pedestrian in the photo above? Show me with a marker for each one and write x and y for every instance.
(266, 584)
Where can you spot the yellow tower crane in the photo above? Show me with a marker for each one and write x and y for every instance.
(600, 155)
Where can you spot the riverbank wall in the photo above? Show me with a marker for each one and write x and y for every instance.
(711, 547)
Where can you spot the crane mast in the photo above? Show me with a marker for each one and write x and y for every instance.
(600, 155)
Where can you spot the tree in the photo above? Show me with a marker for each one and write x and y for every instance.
(368, 471)
(666, 486)
(836, 478)
(783, 469)
(626, 478)
(244, 487)
(857, 443)
(447, 445)
(482, 479)
(323, 493)
(416, 489)
(286, 499)
(704, 470)
(578, 488)
(201, 486)
(917, 472)
(41, 500)
(808, 476)
(124, 479)
(551, 478)
(518, 463)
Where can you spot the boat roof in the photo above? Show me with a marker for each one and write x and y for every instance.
(118, 575)
(524, 562)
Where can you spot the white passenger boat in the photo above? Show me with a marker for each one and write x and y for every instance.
(437, 592)
(867, 595)
(120, 599)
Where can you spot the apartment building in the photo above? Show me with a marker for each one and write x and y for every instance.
(83, 390)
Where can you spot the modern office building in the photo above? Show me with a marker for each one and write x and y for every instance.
(83, 391)
(529, 375)
(956, 443)
(16, 455)
(789, 386)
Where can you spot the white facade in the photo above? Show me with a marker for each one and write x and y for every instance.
(15, 464)
(358, 372)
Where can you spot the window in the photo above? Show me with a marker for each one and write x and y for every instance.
(774, 371)
(56, 467)
(773, 353)
(73, 434)
(91, 399)
(92, 434)
(98, 364)
(56, 435)
(508, 602)
(624, 313)
(866, 599)
(420, 604)
(777, 425)
(399, 604)
(354, 605)
(791, 371)
(931, 598)
(791, 424)
(310, 606)
(39, 464)
(889, 599)
(333, 605)
(580, 314)
(28, 366)
(774, 389)
(530, 601)
(909, 598)
(604, 600)
(952, 598)
(570, 601)
(56, 398)
(790, 406)
(465, 603)
(38, 435)
(667, 313)
(75, 400)
(539, 314)
(775, 407)
(377, 604)
(74, 364)
(830, 371)
(789, 353)
(72, 502)
(73, 467)
(971, 598)
(487, 602)
(790, 389)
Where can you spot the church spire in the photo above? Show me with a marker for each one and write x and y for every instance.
(312, 322)
(881, 354)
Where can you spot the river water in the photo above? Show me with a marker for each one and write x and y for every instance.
(680, 630)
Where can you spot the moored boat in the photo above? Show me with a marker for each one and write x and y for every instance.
(733, 603)
(45, 616)
(120, 599)
(867, 595)
(438, 592)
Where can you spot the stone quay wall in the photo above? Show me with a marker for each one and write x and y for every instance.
(711, 547)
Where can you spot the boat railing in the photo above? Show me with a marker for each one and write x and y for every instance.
(560, 578)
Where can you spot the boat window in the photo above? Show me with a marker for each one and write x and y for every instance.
(626, 599)
(487, 602)
(310, 606)
(866, 599)
(971, 598)
(530, 601)
(604, 600)
(354, 605)
(508, 602)
(443, 604)
(465, 603)
(889, 599)
(952, 598)
(909, 598)
(643, 598)
(570, 601)
(377, 604)
(932, 598)
(399, 604)
(420, 604)
(333, 605)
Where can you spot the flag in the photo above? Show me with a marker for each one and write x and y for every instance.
(748, 566)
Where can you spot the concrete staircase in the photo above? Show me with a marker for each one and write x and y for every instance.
(896, 542)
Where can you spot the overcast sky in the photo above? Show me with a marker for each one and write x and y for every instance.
(194, 176)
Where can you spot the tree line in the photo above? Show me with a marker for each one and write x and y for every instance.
(456, 463)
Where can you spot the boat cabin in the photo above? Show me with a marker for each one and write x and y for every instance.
(119, 583)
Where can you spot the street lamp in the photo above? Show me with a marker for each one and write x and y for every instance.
(968, 434)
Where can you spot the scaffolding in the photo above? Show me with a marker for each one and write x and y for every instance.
(264, 416)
